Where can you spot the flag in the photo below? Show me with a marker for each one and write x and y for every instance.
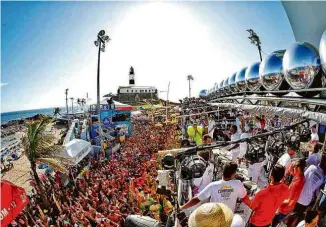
(13, 201)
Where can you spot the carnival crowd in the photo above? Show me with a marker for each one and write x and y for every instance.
(108, 189)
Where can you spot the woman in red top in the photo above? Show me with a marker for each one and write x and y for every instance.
(295, 188)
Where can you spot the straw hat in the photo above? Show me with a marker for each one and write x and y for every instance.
(211, 214)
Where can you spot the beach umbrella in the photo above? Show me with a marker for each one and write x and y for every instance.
(13, 201)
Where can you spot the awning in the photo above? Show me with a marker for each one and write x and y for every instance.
(13, 201)
(76, 150)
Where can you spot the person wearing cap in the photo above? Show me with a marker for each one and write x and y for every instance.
(211, 214)
(225, 191)
(269, 199)
(195, 132)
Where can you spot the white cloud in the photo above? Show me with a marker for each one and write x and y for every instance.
(3, 84)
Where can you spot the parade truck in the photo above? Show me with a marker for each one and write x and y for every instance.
(112, 116)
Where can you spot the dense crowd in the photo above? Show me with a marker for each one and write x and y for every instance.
(105, 191)
(107, 188)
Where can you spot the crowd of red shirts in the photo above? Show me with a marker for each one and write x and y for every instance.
(109, 189)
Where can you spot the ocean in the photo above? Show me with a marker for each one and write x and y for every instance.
(16, 115)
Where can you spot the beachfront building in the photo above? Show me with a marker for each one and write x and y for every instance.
(133, 94)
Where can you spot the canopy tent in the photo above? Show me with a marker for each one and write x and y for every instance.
(76, 150)
(13, 201)
(118, 105)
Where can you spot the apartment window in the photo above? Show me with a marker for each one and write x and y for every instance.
(127, 90)
(132, 90)
(145, 90)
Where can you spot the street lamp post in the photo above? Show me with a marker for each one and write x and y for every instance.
(72, 105)
(189, 78)
(100, 42)
(67, 100)
(167, 100)
(254, 38)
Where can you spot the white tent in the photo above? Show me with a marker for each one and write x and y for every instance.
(76, 150)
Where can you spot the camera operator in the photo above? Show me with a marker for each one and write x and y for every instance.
(235, 148)
(202, 182)
(218, 135)
(268, 200)
(226, 191)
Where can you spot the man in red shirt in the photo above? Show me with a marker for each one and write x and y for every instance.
(295, 188)
(269, 199)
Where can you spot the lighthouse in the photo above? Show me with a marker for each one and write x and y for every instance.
(131, 77)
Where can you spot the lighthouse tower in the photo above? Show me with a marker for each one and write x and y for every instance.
(131, 77)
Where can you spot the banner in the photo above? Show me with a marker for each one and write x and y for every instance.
(13, 201)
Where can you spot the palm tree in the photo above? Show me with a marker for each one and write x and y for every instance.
(56, 111)
(189, 78)
(39, 148)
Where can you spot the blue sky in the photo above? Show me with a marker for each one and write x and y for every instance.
(49, 46)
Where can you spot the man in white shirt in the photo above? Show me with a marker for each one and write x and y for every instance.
(314, 135)
(238, 123)
(314, 178)
(285, 160)
(244, 145)
(211, 126)
(225, 191)
(235, 148)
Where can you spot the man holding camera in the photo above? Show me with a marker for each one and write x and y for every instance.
(225, 191)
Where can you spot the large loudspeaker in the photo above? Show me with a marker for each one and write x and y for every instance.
(302, 68)
(141, 221)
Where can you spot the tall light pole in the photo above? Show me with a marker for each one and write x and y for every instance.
(72, 105)
(167, 100)
(189, 78)
(254, 39)
(67, 100)
(100, 42)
